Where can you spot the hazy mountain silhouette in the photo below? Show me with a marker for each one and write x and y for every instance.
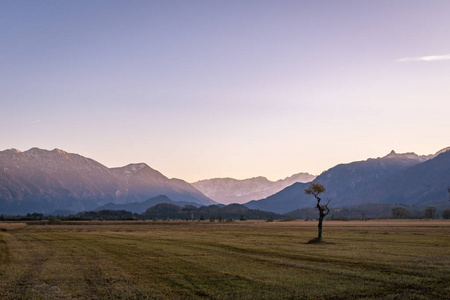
(395, 178)
(44, 181)
(229, 190)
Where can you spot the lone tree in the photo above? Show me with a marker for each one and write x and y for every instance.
(316, 189)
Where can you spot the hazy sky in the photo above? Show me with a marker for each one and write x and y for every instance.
(201, 89)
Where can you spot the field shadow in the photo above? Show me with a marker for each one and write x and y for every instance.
(12, 226)
(319, 241)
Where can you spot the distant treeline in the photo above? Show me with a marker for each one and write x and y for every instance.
(168, 211)
(162, 211)
(375, 211)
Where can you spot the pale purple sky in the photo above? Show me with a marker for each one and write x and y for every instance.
(202, 89)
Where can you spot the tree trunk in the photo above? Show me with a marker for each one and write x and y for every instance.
(320, 228)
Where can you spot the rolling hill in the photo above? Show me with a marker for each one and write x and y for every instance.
(140, 207)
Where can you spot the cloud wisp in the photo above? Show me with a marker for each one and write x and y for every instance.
(425, 58)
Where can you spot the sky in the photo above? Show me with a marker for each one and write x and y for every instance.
(204, 89)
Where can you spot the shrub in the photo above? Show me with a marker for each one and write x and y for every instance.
(399, 212)
(430, 212)
(52, 221)
(446, 213)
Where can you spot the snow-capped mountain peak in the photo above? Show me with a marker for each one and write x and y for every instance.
(229, 190)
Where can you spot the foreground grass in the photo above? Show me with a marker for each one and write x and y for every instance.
(239, 260)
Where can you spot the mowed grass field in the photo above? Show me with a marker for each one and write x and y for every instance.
(238, 260)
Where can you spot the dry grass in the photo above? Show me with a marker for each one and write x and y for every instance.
(5, 226)
(239, 260)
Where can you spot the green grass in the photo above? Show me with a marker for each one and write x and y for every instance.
(239, 260)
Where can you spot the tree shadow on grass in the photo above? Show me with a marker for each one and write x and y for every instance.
(319, 241)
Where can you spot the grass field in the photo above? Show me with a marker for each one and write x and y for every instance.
(238, 260)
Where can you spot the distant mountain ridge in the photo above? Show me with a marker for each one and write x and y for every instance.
(44, 181)
(229, 190)
(423, 184)
(395, 178)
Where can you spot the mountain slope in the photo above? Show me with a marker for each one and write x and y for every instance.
(423, 184)
(355, 183)
(44, 181)
(36, 179)
(140, 180)
(345, 182)
(229, 190)
(288, 199)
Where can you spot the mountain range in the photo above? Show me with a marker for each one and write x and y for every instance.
(229, 190)
(406, 178)
(43, 181)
